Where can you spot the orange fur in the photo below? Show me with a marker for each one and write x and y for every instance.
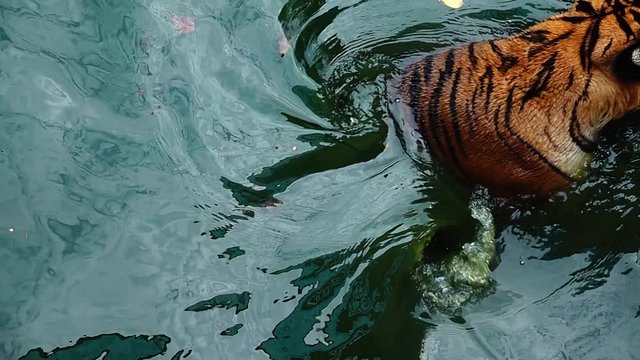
(521, 114)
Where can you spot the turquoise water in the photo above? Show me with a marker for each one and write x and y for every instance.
(172, 194)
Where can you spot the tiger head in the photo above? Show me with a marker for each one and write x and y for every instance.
(522, 114)
(606, 34)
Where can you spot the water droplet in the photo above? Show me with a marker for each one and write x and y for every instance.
(397, 100)
(521, 262)
(11, 230)
(294, 148)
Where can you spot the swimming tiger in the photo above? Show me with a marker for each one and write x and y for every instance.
(521, 115)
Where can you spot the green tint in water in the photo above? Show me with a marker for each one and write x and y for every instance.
(145, 171)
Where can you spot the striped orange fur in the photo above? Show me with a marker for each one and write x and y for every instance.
(520, 115)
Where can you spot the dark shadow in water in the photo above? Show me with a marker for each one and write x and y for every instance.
(368, 301)
(225, 301)
(232, 331)
(277, 178)
(107, 347)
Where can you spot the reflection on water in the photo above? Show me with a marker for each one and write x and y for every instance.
(352, 302)
(251, 205)
(107, 347)
(227, 301)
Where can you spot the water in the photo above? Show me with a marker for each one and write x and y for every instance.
(147, 171)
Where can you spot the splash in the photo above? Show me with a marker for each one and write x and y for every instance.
(447, 285)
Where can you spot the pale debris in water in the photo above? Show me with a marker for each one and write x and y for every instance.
(284, 44)
(454, 4)
(183, 24)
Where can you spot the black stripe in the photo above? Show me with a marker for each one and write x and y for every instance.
(508, 109)
(427, 68)
(487, 93)
(589, 43)
(585, 7)
(536, 36)
(585, 91)
(487, 77)
(529, 146)
(570, 80)
(472, 55)
(507, 61)
(584, 143)
(449, 62)
(578, 138)
(415, 103)
(414, 90)
(445, 74)
(471, 117)
(496, 49)
(541, 81)
(453, 103)
(434, 112)
(574, 19)
(472, 113)
(414, 97)
(496, 127)
(421, 82)
(607, 47)
(501, 137)
(625, 26)
(583, 49)
(636, 15)
(536, 50)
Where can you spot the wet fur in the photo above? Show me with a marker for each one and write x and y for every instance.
(522, 114)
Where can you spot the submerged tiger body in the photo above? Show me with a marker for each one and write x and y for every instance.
(522, 114)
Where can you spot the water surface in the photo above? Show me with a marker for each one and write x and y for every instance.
(170, 194)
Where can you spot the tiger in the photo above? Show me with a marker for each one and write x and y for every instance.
(521, 114)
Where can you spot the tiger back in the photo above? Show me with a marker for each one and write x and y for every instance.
(521, 115)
